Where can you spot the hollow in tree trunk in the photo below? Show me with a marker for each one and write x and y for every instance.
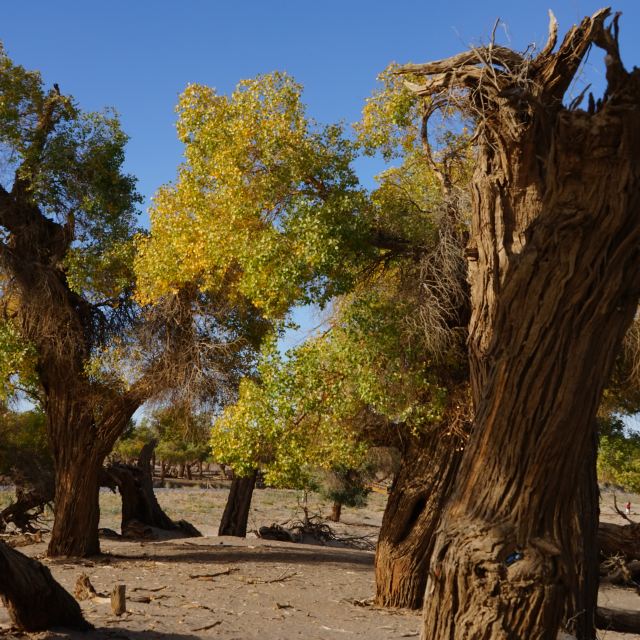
(34, 600)
(407, 535)
(553, 268)
(236, 512)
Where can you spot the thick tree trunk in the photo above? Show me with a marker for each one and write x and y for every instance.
(35, 601)
(236, 512)
(79, 454)
(580, 609)
(77, 509)
(554, 285)
(413, 511)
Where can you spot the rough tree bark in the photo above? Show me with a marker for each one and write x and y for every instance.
(407, 535)
(35, 601)
(236, 512)
(553, 267)
(79, 455)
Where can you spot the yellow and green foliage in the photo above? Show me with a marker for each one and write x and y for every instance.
(17, 361)
(181, 436)
(24, 442)
(266, 203)
(304, 411)
(619, 455)
(283, 422)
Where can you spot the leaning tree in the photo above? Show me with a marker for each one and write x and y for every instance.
(553, 268)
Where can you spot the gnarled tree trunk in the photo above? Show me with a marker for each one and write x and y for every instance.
(35, 601)
(414, 508)
(79, 454)
(139, 502)
(554, 284)
(236, 511)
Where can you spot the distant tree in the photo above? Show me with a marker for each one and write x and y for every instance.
(346, 487)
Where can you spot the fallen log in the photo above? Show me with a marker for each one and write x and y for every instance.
(34, 600)
(615, 539)
(31, 499)
(618, 620)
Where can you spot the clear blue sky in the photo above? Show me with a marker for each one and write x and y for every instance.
(138, 55)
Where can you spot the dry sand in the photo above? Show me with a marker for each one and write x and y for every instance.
(263, 589)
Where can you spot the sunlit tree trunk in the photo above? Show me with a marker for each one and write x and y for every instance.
(554, 284)
(414, 508)
(79, 454)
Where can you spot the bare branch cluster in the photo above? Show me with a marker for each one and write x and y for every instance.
(439, 285)
(499, 87)
(193, 348)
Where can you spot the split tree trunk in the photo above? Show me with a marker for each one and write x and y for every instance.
(236, 512)
(554, 285)
(34, 600)
(411, 517)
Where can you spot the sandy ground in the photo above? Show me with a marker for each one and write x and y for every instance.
(233, 589)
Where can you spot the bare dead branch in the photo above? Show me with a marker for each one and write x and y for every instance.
(553, 36)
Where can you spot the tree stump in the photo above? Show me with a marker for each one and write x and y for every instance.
(119, 599)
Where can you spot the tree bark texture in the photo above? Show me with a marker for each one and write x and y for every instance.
(77, 510)
(414, 508)
(79, 454)
(553, 268)
(582, 601)
(34, 600)
(236, 512)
